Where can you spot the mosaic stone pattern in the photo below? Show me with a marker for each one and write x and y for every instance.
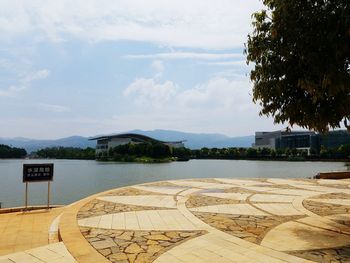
(135, 246)
(202, 200)
(100, 207)
(164, 183)
(336, 255)
(206, 180)
(179, 226)
(248, 227)
(129, 191)
(239, 190)
(333, 196)
(324, 209)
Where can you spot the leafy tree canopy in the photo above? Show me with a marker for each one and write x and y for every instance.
(11, 152)
(301, 55)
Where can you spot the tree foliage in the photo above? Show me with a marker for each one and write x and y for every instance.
(149, 149)
(301, 55)
(67, 153)
(11, 152)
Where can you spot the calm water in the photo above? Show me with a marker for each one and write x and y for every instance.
(74, 180)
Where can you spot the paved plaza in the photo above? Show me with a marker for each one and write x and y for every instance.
(197, 220)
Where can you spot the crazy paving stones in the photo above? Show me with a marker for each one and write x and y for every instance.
(202, 200)
(135, 246)
(98, 207)
(333, 255)
(247, 227)
(325, 209)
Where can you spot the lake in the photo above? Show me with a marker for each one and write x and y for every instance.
(75, 179)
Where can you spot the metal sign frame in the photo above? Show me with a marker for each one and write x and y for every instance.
(36, 172)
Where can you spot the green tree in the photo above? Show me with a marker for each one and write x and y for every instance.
(251, 152)
(301, 55)
(11, 152)
(67, 153)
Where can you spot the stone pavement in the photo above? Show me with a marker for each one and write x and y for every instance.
(204, 220)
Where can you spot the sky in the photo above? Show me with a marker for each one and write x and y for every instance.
(98, 66)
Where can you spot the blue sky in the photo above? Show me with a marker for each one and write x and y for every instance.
(95, 67)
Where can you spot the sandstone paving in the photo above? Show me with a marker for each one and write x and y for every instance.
(99, 207)
(293, 236)
(142, 200)
(141, 220)
(239, 190)
(326, 223)
(296, 192)
(248, 227)
(324, 208)
(214, 247)
(135, 246)
(236, 209)
(233, 196)
(136, 190)
(192, 220)
(343, 219)
(243, 182)
(290, 181)
(25, 230)
(345, 202)
(272, 215)
(203, 185)
(50, 253)
(260, 188)
(279, 209)
(336, 195)
(172, 190)
(197, 200)
(337, 254)
(272, 198)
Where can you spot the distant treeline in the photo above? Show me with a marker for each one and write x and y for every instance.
(66, 153)
(343, 152)
(11, 152)
(130, 151)
(154, 151)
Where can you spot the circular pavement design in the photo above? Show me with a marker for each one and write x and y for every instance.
(212, 220)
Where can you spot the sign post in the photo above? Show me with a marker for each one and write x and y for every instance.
(38, 173)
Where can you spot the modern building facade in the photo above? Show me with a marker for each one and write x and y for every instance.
(305, 140)
(334, 139)
(284, 139)
(105, 143)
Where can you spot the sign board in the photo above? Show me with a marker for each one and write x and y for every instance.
(37, 172)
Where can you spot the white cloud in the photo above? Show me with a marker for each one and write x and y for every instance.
(40, 74)
(210, 24)
(217, 104)
(150, 93)
(186, 55)
(53, 108)
(158, 67)
(24, 82)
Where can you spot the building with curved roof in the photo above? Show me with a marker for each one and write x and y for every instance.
(106, 142)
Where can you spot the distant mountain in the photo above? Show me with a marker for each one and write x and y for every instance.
(33, 145)
(193, 140)
(199, 140)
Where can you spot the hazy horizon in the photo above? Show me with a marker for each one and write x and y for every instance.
(91, 136)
